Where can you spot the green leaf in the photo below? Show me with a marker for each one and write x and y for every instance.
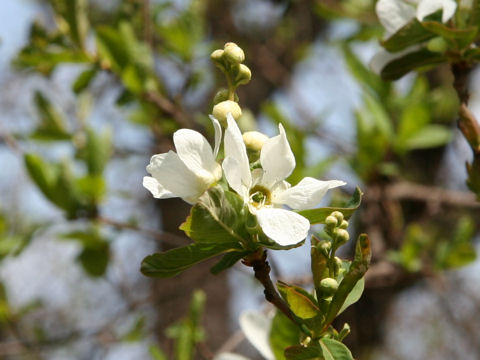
(317, 216)
(411, 34)
(354, 295)
(83, 80)
(428, 137)
(396, 68)
(111, 49)
(302, 305)
(173, 262)
(188, 332)
(217, 218)
(52, 125)
(334, 350)
(462, 37)
(156, 353)
(95, 259)
(364, 75)
(74, 16)
(96, 151)
(283, 333)
(56, 183)
(474, 18)
(228, 260)
(137, 331)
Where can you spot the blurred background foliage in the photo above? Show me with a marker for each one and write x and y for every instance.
(91, 89)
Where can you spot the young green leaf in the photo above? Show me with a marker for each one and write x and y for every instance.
(411, 34)
(396, 68)
(173, 262)
(334, 350)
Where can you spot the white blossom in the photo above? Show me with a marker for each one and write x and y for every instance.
(190, 171)
(265, 189)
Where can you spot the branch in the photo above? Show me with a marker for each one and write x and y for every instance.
(258, 261)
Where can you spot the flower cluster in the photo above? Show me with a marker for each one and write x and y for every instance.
(261, 184)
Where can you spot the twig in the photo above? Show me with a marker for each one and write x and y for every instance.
(258, 261)
(168, 107)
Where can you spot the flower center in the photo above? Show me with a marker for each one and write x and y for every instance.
(260, 196)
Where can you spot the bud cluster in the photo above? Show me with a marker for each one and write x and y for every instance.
(229, 60)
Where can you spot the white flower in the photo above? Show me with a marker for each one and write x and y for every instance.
(266, 191)
(190, 171)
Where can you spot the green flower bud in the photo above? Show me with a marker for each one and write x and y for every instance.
(221, 110)
(331, 222)
(217, 56)
(338, 215)
(342, 236)
(233, 53)
(222, 95)
(254, 140)
(324, 246)
(328, 287)
(344, 224)
(242, 74)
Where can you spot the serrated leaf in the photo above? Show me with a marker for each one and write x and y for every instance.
(334, 350)
(318, 216)
(396, 68)
(173, 262)
(411, 34)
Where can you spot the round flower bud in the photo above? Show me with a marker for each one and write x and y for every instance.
(233, 53)
(254, 140)
(343, 224)
(221, 110)
(331, 221)
(217, 56)
(342, 236)
(338, 215)
(243, 74)
(324, 246)
(328, 286)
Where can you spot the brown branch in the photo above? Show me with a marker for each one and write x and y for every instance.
(258, 261)
(168, 107)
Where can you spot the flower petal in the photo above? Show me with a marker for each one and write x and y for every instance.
(256, 327)
(157, 190)
(235, 148)
(218, 135)
(428, 7)
(174, 176)
(277, 158)
(283, 226)
(196, 153)
(232, 171)
(394, 14)
(306, 194)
